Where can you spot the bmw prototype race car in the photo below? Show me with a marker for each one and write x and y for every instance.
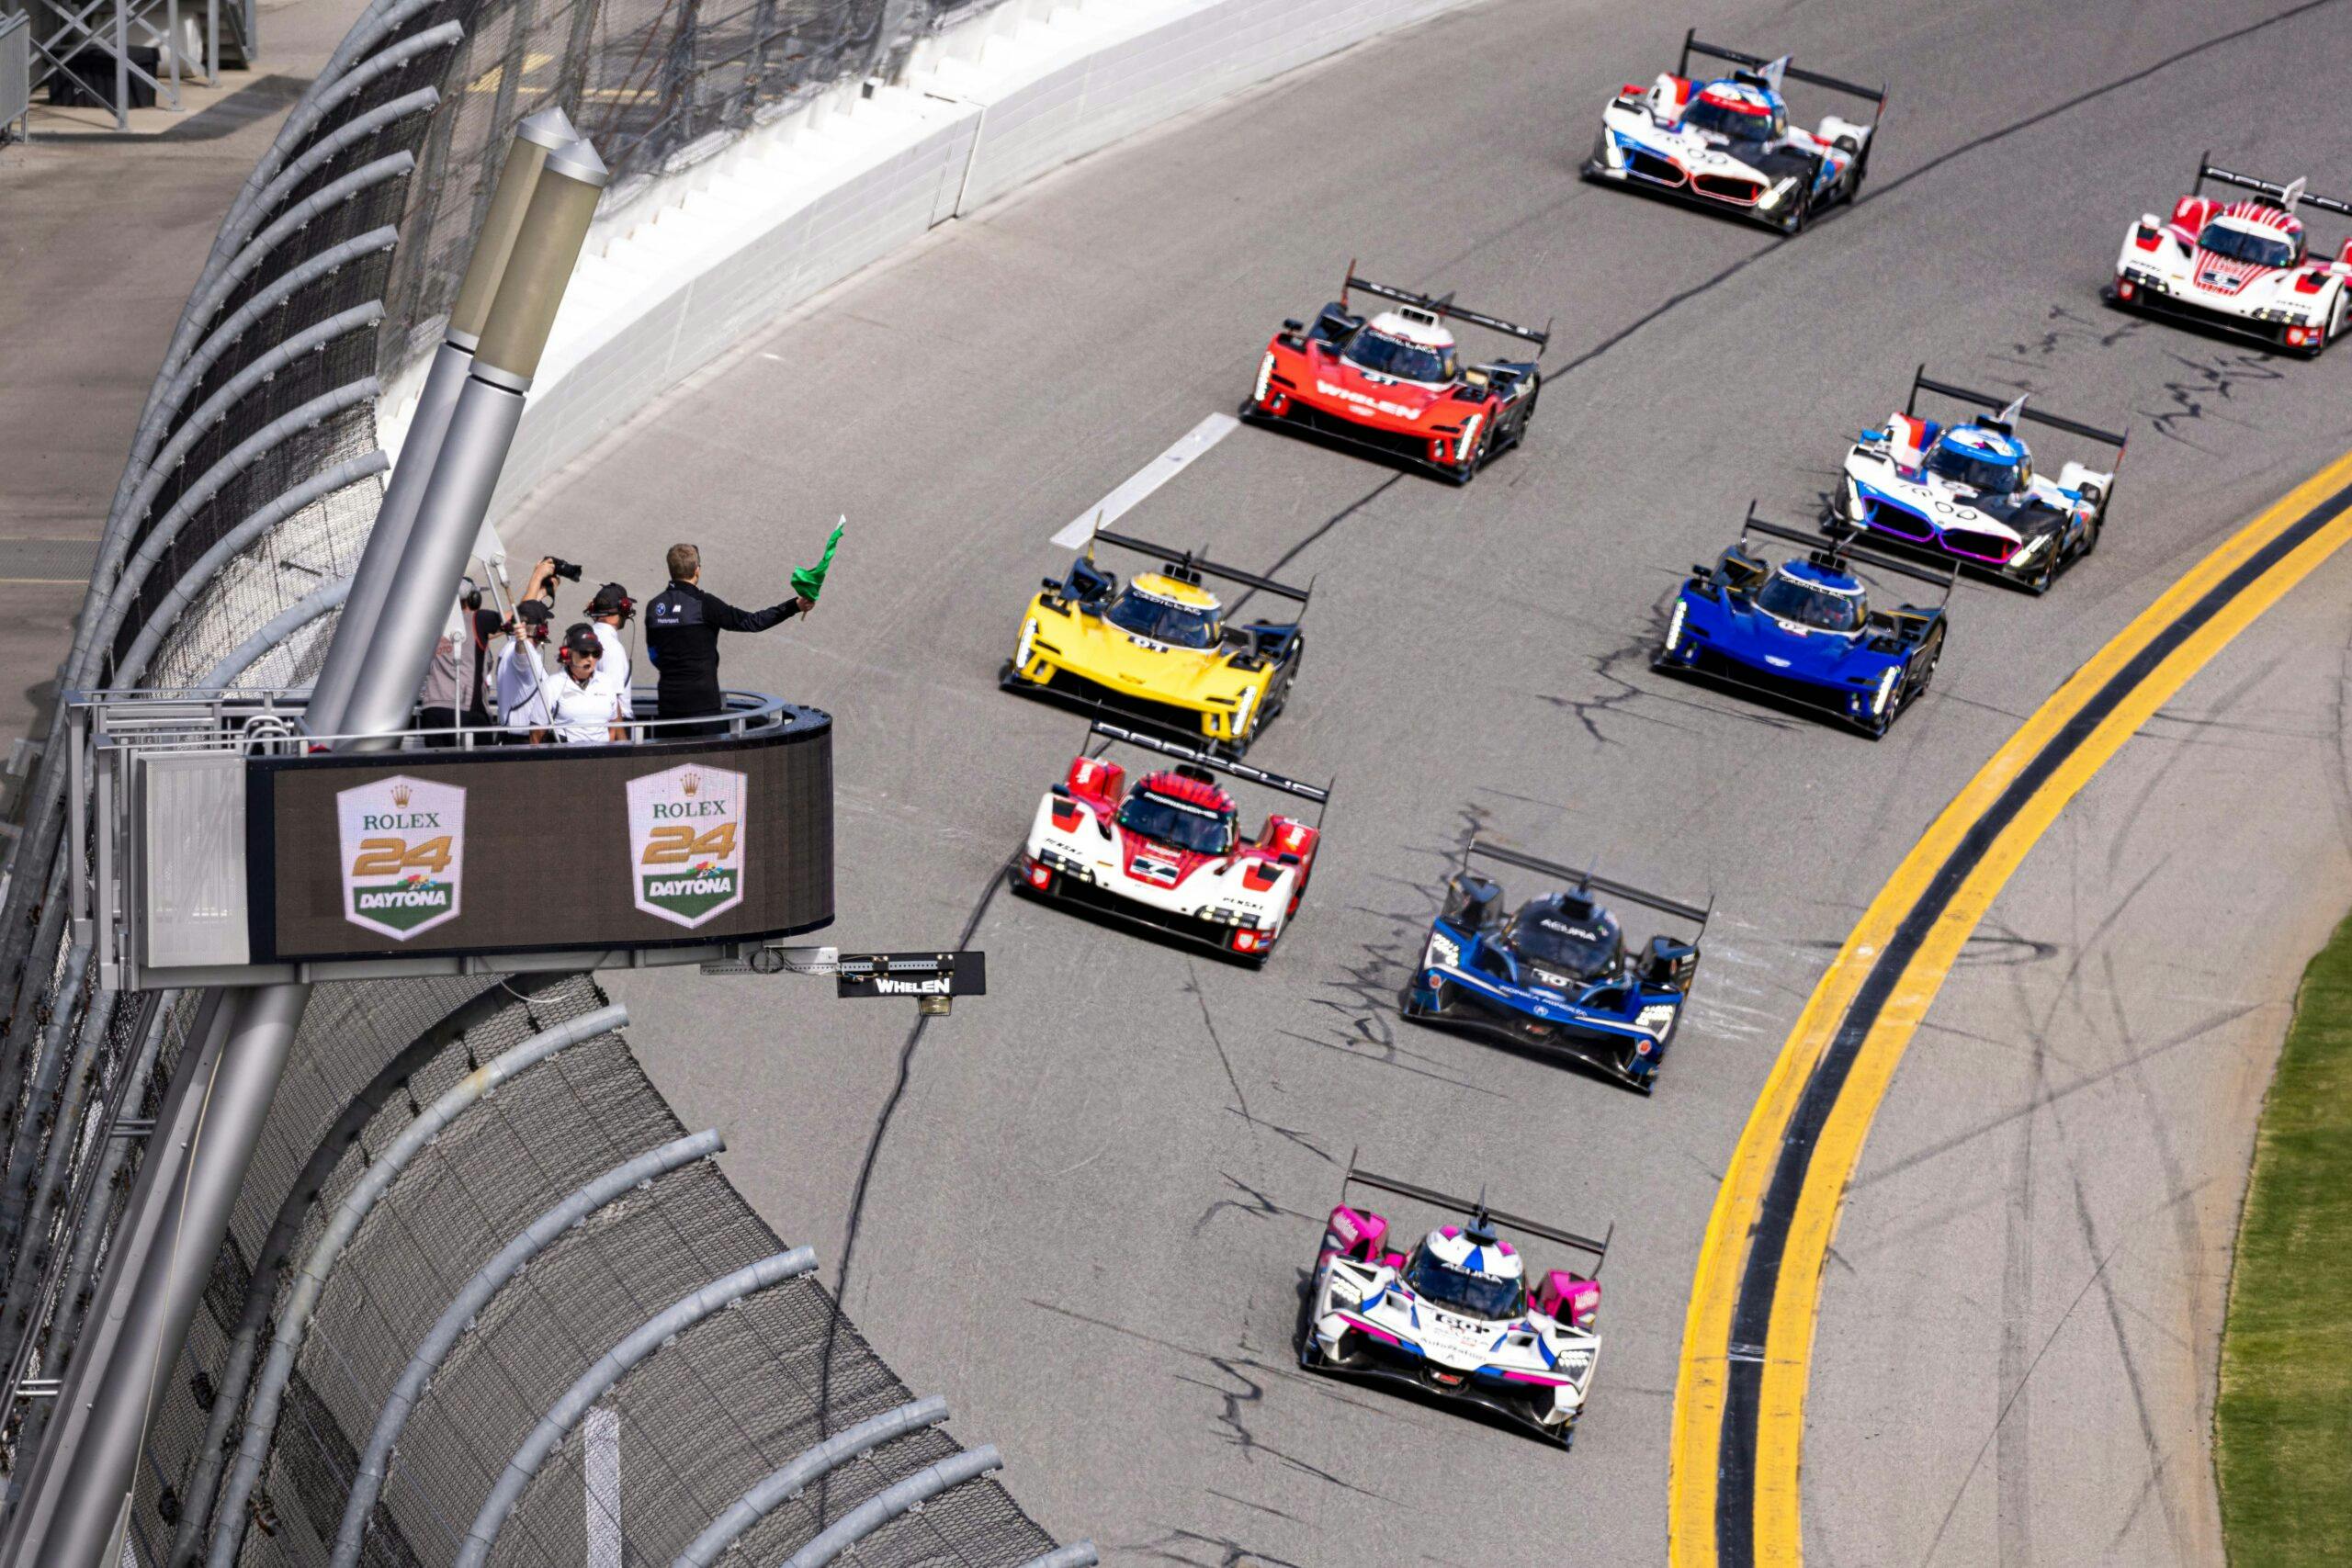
(1159, 649)
(1557, 973)
(1456, 1317)
(2241, 265)
(1968, 493)
(1727, 142)
(1803, 631)
(1395, 382)
(1168, 852)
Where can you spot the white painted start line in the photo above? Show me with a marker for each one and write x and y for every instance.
(1148, 477)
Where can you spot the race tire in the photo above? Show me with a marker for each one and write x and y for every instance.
(1795, 223)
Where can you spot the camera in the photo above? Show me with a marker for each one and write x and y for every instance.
(565, 569)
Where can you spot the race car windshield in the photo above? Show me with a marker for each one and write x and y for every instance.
(1406, 361)
(1721, 119)
(1450, 1285)
(1964, 467)
(1787, 598)
(2244, 245)
(1583, 948)
(1163, 620)
(1172, 822)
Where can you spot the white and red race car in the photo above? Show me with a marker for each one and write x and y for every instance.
(1168, 852)
(2242, 265)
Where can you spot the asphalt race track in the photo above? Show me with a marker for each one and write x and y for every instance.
(1084, 1207)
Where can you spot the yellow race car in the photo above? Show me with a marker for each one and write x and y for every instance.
(1159, 648)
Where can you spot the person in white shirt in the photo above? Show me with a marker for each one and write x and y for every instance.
(583, 707)
(609, 613)
(520, 672)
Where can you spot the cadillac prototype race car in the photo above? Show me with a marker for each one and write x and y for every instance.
(1454, 1317)
(1727, 142)
(1557, 973)
(1968, 493)
(1395, 382)
(2241, 265)
(1159, 649)
(1168, 852)
(1805, 632)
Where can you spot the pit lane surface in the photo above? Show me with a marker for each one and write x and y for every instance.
(1083, 1208)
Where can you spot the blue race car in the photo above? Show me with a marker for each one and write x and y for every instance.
(1556, 974)
(1803, 631)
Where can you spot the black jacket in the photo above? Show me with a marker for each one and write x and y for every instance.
(681, 628)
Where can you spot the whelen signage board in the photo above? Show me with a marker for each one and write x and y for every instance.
(539, 850)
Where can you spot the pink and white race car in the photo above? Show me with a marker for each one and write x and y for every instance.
(1454, 1317)
(1168, 852)
(2242, 265)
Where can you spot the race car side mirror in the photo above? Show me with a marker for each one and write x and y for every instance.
(1052, 583)
(1670, 962)
(1471, 901)
(1293, 324)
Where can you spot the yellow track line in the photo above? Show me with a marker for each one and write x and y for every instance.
(1699, 1399)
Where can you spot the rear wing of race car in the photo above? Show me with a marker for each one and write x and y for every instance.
(1838, 549)
(1320, 794)
(1585, 881)
(1771, 71)
(2011, 409)
(1443, 305)
(1185, 566)
(1479, 1212)
(2290, 196)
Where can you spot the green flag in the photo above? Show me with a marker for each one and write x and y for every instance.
(810, 581)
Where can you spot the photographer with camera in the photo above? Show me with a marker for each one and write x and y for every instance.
(522, 672)
(682, 627)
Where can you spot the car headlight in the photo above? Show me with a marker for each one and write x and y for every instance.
(1886, 688)
(1674, 626)
(1773, 198)
(2032, 547)
(1443, 954)
(1655, 1018)
(1265, 374)
(1855, 509)
(1028, 641)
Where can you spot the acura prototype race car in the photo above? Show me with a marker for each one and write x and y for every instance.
(1159, 649)
(1454, 1317)
(1968, 494)
(1396, 383)
(2242, 265)
(1803, 631)
(1168, 852)
(1557, 973)
(1727, 142)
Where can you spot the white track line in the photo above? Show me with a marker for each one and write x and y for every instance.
(1148, 477)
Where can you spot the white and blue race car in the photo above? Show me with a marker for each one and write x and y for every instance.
(1727, 142)
(1968, 493)
(1454, 1317)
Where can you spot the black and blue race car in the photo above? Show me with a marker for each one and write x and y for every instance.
(1557, 973)
(1804, 630)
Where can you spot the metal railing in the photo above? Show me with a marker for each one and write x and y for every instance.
(15, 72)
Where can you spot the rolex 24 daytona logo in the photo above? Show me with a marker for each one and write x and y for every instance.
(685, 842)
(404, 854)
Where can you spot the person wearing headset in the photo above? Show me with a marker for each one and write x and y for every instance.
(454, 691)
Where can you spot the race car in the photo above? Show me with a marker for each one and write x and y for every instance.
(1395, 382)
(1967, 493)
(2241, 265)
(1159, 649)
(1454, 1317)
(1803, 631)
(1168, 852)
(1726, 142)
(1557, 973)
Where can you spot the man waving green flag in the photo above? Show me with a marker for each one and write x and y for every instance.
(810, 581)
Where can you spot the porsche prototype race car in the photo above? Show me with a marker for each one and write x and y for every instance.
(1803, 631)
(1557, 973)
(2241, 265)
(1967, 493)
(1168, 853)
(1456, 1317)
(1159, 649)
(1727, 142)
(1395, 382)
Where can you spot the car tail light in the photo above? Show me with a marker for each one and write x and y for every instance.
(1041, 876)
(1250, 942)
(2125, 289)
(2295, 337)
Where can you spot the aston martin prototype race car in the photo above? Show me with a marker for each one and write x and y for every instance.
(1557, 973)
(1168, 853)
(1805, 632)
(1159, 649)
(1454, 1317)
(1728, 144)
(1968, 493)
(2242, 265)
(1395, 382)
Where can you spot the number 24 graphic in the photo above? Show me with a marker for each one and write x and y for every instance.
(676, 846)
(389, 857)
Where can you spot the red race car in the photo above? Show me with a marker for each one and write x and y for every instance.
(1395, 382)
